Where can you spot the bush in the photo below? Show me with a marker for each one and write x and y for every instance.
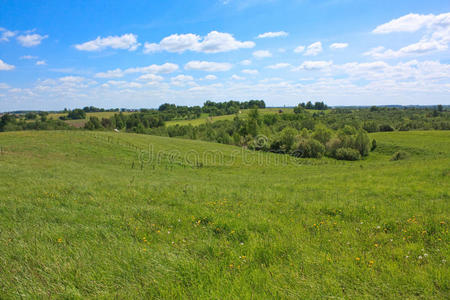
(309, 148)
(332, 146)
(76, 114)
(386, 127)
(322, 134)
(93, 123)
(362, 143)
(347, 154)
(399, 155)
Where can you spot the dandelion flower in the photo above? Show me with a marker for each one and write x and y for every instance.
(358, 259)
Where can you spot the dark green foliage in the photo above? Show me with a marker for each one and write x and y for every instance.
(322, 134)
(347, 154)
(362, 143)
(9, 122)
(30, 116)
(93, 123)
(309, 148)
(374, 145)
(230, 107)
(386, 127)
(316, 106)
(76, 114)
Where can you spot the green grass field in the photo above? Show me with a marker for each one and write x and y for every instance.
(81, 122)
(94, 215)
(244, 112)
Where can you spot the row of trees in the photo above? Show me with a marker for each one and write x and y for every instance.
(10, 122)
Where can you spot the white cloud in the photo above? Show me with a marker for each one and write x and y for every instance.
(314, 65)
(213, 42)
(208, 66)
(236, 77)
(5, 67)
(419, 48)
(121, 84)
(299, 49)
(272, 34)
(117, 73)
(165, 68)
(4, 86)
(246, 62)
(28, 57)
(182, 80)
(338, 45)
(31, 40)
(262, 54)
(279, 66)
(250, 71)
(72, 79)
(150, 77)
(412, 23)
(41, 63)
(210, 77)
(125, 42)
(5, 35)
(314, 49)
(436, 37)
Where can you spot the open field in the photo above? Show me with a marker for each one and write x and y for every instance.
(89, 215)
(244, 112)
(81, 122)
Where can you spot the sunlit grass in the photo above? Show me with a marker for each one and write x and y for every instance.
(81, 216)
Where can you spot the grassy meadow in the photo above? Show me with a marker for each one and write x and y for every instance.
(120, 215)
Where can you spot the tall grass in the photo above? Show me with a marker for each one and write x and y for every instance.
(83, 215)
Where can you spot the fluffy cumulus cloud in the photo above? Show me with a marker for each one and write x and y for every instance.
(208, 66)
(125, 42)
(299, 49)
(272, 34)
(338, 45)
(213, 42)
(250, 71)
(278, 66)
(237, 77)
(210, 77)
(314, 49)
(150, 77)
(246, 62)
(31, 40)
(262, 54)
(182, 80)
(165, 68)
(41, 63)
(436, 35)
(314, 65)
(5, 67)
(5, 35)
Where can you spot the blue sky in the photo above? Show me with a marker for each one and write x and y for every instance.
(57, 54)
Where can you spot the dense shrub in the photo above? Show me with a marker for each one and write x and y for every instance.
(386, 127)
(309, 148)
(347, 154)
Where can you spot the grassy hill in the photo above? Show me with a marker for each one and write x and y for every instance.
(95, 214)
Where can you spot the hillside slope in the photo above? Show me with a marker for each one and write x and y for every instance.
(101, 214)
